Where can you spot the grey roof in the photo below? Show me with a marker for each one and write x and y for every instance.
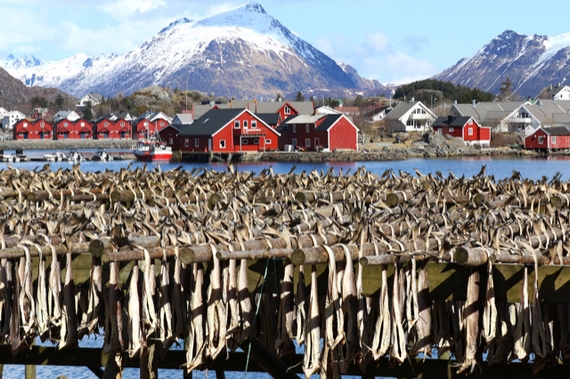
(401, 109)
(557, 131)
(457, 122)
(561, 118)
(302, 107)
(269, 118)
(329, 120)
(488, 110)
(211, 122)
(304, 119)
(183, 118)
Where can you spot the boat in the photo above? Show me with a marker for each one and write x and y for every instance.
(102, 155)
(7, 157)
(74, 156)
(58, 156)
(153, 148)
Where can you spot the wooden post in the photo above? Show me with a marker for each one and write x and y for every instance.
(268, 361)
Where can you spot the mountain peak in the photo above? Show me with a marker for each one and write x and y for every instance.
(180, 21)
(253, 7)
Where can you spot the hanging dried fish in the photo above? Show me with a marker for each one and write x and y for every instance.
(233, 323)
(490, 319)
(424, 321)
(54, 297)
(333, 312)
(17, 337)
(286, 308)
(165, 306)
(196, 349)
(471, 323)
(458, 329)
(301, 309)
(150, 320)
(398, 351)
(68, 335)
(244, 302)
(519, 317)
(349, 309)
(312, 355)
(6, 290)
(216, 312)
(383, 329)
(113, 342)
(179, 302)
(136, 338)
(94, 316)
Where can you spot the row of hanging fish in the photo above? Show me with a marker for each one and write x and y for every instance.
(207, 306)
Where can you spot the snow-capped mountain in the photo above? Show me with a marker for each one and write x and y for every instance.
(531, 62)
(243, 53)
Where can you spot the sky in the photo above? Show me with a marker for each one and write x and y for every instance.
(389, 41)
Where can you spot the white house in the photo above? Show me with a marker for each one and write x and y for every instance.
(542, 114)
(411, 116)
(68, 115)
(11, 118)
(3, 113)
(94, 99)
(493, 114)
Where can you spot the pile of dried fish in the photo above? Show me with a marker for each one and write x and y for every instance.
(170, 252)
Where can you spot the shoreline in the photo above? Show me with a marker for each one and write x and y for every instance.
(369, 152)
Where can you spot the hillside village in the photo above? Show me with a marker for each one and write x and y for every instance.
(241, 126)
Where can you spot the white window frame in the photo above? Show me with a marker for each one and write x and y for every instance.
(254, 124)
(286, 109)
(294, 142)
(317, 142)
(451, 130)
(307, 128)
(256, 141)
(294, 128)
(267, 142)
(237, 124)
(307, 142)
(245, 141)
(541, 140)
(552, 139)
(222, 144)
(196, 142)
(470, 131)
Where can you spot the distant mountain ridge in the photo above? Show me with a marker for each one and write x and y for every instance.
(531, 62)
(242, 53)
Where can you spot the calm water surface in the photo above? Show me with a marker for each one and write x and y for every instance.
(500, 168)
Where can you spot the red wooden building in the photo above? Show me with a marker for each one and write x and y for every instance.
(553, 138)
(37, 129)
(464, 127)
(318, 132)
(106, 128)
(80, 129)
(225, 131)
(148, 123)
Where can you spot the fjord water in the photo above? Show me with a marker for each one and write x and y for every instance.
(500, 168)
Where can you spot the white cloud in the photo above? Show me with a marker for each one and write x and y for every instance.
(130, 7)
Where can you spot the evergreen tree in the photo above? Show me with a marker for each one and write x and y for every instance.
(506, 91)
(300, 96)
(88, 112)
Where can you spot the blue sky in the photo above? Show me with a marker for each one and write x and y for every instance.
(390, 41)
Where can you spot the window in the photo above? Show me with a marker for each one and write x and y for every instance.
(106, 124)
(287, 110)
(410, 122)
(197, 142)
(307, 142)
(245, 141)
(236, 124)
(25, 124)
(82, 124)
(245, 124)
(170, 140)
(553, 139)
(470, 131)
(294, 142)
(541, 140)
(268, 142)
(256, 141)
(222, 144)
(317, 142)
(65, 124)
(451, 130)
(307, 128)
(294, 128)
(254, 124)
(186, 142)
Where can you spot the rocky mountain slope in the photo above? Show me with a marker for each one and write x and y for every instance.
(243, 53)
(531, 62)
(15, 95)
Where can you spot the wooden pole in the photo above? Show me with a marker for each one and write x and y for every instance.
(268, 361)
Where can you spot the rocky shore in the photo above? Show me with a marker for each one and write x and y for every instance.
(66, 144)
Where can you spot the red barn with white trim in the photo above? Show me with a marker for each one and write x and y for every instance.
(318, 132)
(553, 138)
(37, 129)
(464, 127)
